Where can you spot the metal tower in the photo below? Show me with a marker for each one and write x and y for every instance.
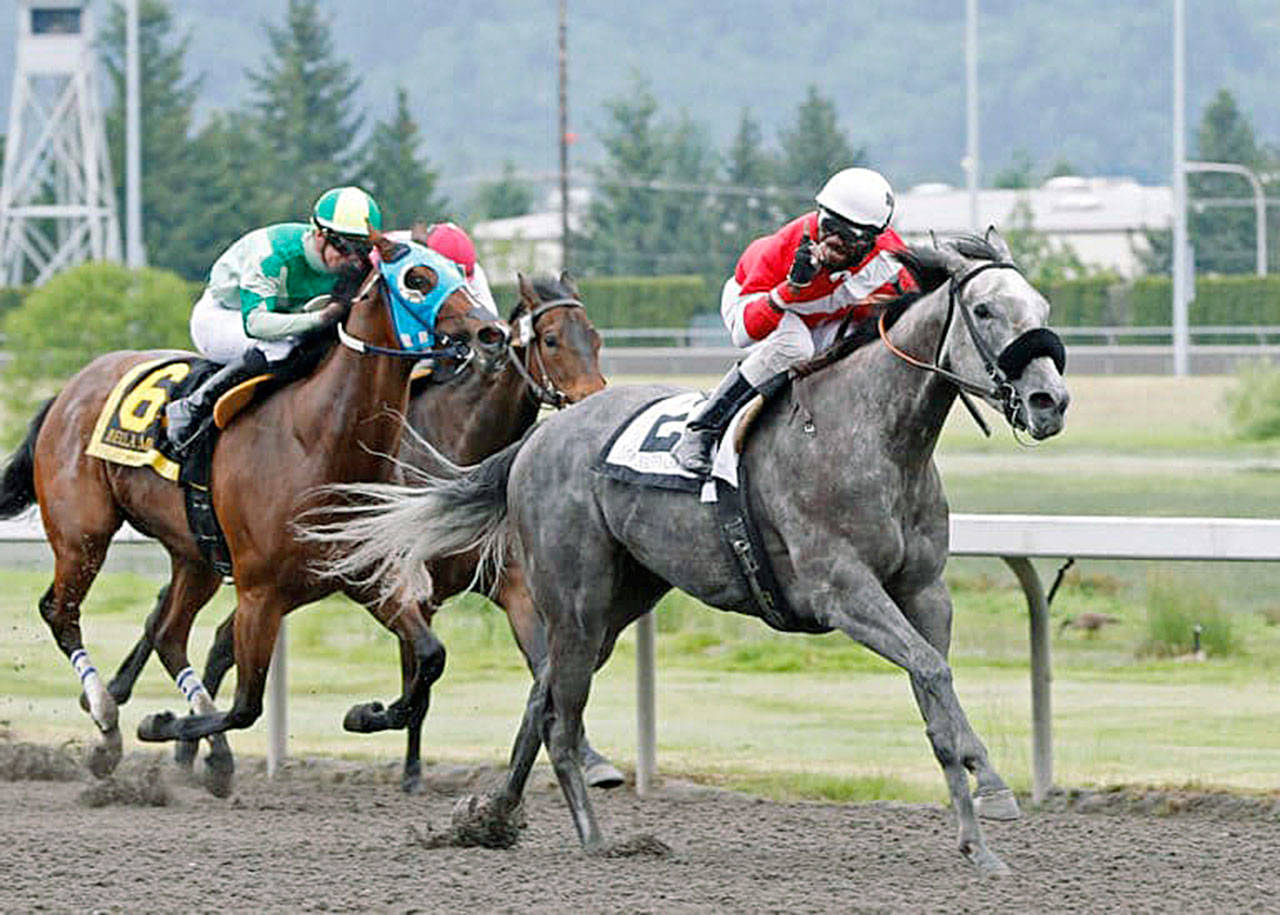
(57, 200)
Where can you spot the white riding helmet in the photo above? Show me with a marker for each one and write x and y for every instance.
(858, 195)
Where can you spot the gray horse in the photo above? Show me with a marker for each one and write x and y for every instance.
(844, 489)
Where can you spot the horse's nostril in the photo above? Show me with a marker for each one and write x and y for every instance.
(1041, 401)
(490, 336)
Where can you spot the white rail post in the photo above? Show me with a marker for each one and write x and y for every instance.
(646, 718)
(277, 693)
(1041, 677)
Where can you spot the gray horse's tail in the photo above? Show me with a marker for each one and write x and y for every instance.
(385, 533)
(18, 482)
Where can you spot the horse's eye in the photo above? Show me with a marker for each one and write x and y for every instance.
(420, 280)
(549, 340)
(982, 311)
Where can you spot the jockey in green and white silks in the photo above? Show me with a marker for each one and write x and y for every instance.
(266, 290)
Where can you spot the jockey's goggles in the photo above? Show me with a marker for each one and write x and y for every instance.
(350, 245)
(853, 233)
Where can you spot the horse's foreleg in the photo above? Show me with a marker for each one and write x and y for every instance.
(929, 611)
(530, 634)
(222, 657)
(422, 657)
(76, 564)
(190, 589)
(852, 600)
(257, 626)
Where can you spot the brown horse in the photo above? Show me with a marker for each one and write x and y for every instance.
(335, 425)
(553, 360)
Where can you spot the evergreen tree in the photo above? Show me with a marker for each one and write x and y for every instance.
(622, 232)
(752, 207)
(303, 109)
(167, 99)
(403, 185)
(815, 148)
(508, 196)
(1224, 237)
(687, 218)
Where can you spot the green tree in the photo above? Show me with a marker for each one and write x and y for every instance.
(752, 208)
(167, 99)
(815, 148)
(303, 109)
(508, 196)
(622, 231)
(1041, 258)
(83, 312)
(403, 184)
(1019, 174)
(1223, 237)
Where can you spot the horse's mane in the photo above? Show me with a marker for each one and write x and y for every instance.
(927, 265)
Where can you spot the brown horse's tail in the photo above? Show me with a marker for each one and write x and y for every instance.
(18, 483)
(386, 533)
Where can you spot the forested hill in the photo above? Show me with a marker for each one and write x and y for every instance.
(1085, 81)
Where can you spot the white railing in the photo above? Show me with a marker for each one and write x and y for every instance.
(1016, 539)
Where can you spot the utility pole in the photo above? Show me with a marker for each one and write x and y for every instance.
(1182, 264)
(971, 108)
(564, 136)
(135, 253)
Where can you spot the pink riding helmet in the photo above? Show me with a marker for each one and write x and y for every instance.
(450, 240)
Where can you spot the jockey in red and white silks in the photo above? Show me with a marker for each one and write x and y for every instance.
(791, 290)
(784, 324)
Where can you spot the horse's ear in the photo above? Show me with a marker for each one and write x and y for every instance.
(386, 247)
(569, 283)
(419, 232)
(527, 293)
(996, 241)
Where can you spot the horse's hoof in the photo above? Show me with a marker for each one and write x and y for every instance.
(479, 820)
(184, 753)
(987, 862)
(411, 782)
(365, 718)
(998, 805)
(157, 728)
(105, 754)
(603, 774)
(219, 768)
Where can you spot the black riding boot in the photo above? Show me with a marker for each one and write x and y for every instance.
(186, 414)
(693, 451)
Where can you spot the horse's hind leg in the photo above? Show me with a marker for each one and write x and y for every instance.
(77, 560)
(121, 685)
(929, 611)
(190, 588)
(513, 596)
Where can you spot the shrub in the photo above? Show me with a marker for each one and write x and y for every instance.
(1175, 606)
(1253, 401)
(82, 313)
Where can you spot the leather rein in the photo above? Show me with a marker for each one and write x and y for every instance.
(1002, 368)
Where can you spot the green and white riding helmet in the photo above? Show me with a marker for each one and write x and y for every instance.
(347, 212)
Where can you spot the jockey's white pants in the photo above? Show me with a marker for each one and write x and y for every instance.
(792, 341)
(218, 333)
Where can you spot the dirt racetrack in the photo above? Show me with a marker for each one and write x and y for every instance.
(337, 837)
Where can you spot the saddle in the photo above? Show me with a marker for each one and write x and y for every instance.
(128, 431)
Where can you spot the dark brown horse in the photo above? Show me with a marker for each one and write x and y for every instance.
(335, 425)
(553, 360)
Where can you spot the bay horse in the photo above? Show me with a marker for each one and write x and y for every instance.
(554, 360)
(335, 425)
(848, 501)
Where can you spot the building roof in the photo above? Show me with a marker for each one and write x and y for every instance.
(1064, 205)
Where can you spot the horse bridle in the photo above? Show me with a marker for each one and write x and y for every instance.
(1002, 368)
(458, 350)
(542, 392)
